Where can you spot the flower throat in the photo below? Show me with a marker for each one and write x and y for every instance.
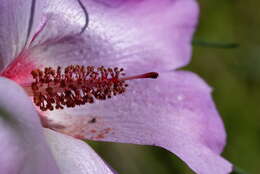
(77, 85)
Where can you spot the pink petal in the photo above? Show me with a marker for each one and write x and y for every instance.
(74, 156)
(146, 33)
(174, 111)
(147, 30)
(15, 18)
(138, 36)
(23, 148)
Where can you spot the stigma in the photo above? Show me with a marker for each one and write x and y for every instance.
(77, 85)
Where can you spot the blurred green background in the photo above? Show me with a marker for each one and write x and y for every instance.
(235, 75)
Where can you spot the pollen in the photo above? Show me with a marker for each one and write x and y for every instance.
(78, 85)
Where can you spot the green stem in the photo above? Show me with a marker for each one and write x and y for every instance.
(214, 44)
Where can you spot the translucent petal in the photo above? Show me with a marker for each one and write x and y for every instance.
(18, 19)
(74, 156)
(23, 147)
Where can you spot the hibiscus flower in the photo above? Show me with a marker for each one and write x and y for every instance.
(73, 59)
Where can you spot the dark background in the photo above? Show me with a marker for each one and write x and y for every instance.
(233, 71)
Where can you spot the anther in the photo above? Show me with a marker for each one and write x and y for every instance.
(77, 85)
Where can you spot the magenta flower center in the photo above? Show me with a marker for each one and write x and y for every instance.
(77, 85)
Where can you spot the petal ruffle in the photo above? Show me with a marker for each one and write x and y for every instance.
(61, 19)
(74, 156)
(57, 21)
(18, 19)
(174, 111)
(23, 148)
